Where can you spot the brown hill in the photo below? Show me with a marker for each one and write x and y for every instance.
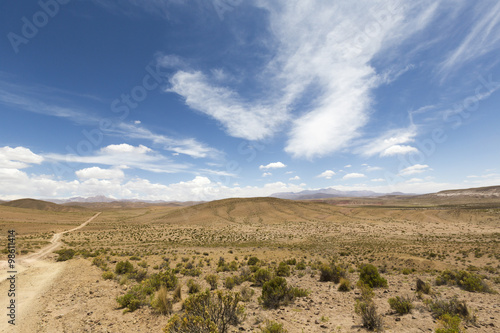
(41, 205)
(478, 192)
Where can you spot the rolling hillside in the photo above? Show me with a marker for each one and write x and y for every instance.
(41, 205)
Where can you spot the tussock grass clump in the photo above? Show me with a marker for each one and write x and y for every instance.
(207, 312)
(273, 327)
(162, 303)
(193, 287)
(366, 308)
(423, 287)
(452, 307)
(345, 285)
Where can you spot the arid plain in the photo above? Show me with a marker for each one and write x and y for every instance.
(317, 251)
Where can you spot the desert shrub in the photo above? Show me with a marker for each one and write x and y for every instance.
(423, 287)
(193, 287)
(245, 274)
(275, 293)
(162, 303)
(124, 267)
(331, 273)
(261, 276)
(166, 279)
(369, 275)
(283, 269)
(65, 254)
(212, 281)
(291, 262)
(136, 258)
(301, 266)
(108, 275)
(369, 316)
(143, 264)
(449, 324)
(273, 327)
(100, 262)
(207, 312)
(246, 293)
(451, 307)
(401, 305)
(233, 266)
(139, 275)
(229, 283)
(129, 301)
(345, 285)
(465, 280)
(191, 272)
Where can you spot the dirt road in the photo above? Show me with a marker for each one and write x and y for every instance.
(34, 277)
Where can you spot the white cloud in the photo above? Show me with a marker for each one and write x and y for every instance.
(348, 166)
(482, 38)
(328, 174)
(18, 158)
(98, 173)
(414, 169)
(353, 175)
(140, 157)
(295, 178)
(398, 150)
(389, 143)
(372, 168)
(137, 122)
(274, 165)
(241, 119)
(266, 174)
(378, 180)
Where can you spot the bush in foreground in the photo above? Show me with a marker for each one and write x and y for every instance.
(273, 327)
(401, 305)
(207, 312)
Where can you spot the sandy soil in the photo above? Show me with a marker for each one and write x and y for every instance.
(35, 277)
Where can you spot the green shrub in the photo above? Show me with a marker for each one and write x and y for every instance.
(193, 287)
(212, 281)
(465, 280)
(301, 266)
(291, 262)
(273, 327)
(261, 276)
(191, 272)
(450, 324)
(124, 267)
(65, 254)
(345, 285)
(401, 305)
(331, 273)
(283, 269)
(100, 262)
(229, 283)
(136, 258)
(162, 303)
(275, 293)
(166, 279)
(129, 301)
(108, 275)
(210, 312)
(299, 292)
(369, 275)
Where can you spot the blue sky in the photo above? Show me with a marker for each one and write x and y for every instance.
(202, 100)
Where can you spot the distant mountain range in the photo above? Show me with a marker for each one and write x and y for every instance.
(326, 193)
(477, 192)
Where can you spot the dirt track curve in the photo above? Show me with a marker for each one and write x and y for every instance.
(34, 277)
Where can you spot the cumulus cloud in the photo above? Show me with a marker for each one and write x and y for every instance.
(98, 173)
(274, 165)
(18, 158)
(398, 150)
(353, 176)
(414, 169)
(328, 174)
(266, 174)
(295, 178)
